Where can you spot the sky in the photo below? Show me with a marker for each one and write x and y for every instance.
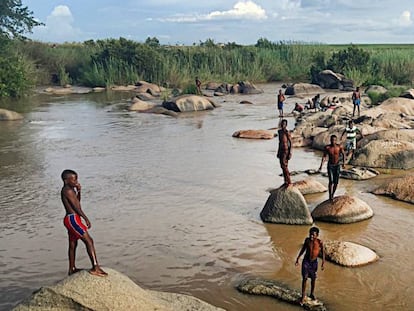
(240, 21)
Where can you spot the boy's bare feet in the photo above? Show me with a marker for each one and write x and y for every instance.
(73, 271)
(97, 271)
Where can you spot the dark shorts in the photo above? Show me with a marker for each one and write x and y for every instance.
(280, 105)
(357, 102)
(309, 268)
(350, 144)
(333, 173)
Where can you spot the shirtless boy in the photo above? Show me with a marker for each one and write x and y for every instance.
(284, 152)
(334, 151)
(71, 196)
(313, 247)
(280, 102)
(356, 100)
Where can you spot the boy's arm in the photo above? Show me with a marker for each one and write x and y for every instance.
(341, 150)
(302, 250)
(289, 141)
(75, 204)
(343, 133)
(325, 153)
(323, 255)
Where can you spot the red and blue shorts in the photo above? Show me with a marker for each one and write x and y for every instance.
(76, 229)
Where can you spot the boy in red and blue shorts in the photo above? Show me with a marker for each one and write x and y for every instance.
(71, 196)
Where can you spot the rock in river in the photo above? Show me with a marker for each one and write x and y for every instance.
(116, 292)
(8, 115)
(348, 254)
(286, 206)
(343, 209)
(280, 291)
(186, 103)
(254, 134)
(399, 188)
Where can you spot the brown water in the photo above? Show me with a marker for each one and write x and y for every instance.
(175, 202)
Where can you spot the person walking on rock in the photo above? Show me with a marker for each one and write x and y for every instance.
(334, 151)
(284, 152)
(351, 132)
(312, 247)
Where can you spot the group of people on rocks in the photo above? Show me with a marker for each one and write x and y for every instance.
(333, 153)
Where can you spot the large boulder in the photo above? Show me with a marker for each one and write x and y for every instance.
(348, 254)
(212, 85)
(359, 173)
(246, 87)
(280, 291)
(186, 103)
(343, 209)
(385, 153)
(254, 134)
(309, 186)
(408, 94)
(145, 96)
(322, 139)
(8, 115)
(396, 105)
(124, 88)
(328, 79)
(146, 87)
(83, 291)
(393, 120)
(399, 188)
(376, 89)
(286, 206)
(303, 89)
(223, 88)
(391, 134)
(140, 105)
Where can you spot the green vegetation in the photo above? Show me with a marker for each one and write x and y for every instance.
(121, 61)
(24, 63)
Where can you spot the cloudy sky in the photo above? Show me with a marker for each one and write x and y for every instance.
(240, 21)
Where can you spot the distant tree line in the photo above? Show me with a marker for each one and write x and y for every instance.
(25, 63)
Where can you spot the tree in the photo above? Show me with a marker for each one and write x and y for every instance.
(16, 19)
(152, 42)
(350, 58)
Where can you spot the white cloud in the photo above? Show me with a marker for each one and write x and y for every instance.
(58, 26)
(242, 10)
(405, 18)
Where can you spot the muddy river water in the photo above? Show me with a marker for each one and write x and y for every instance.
(175, 202)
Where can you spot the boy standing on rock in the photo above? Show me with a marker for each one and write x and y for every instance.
(71, 196)
(313, 247)
(284, 152)
(334, 151)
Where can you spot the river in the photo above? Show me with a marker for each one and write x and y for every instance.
(175, 202)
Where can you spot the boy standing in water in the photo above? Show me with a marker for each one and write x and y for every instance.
(313, 247)
(71, 196)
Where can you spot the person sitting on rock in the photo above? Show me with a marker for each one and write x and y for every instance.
(312, 247)
(298, 108)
